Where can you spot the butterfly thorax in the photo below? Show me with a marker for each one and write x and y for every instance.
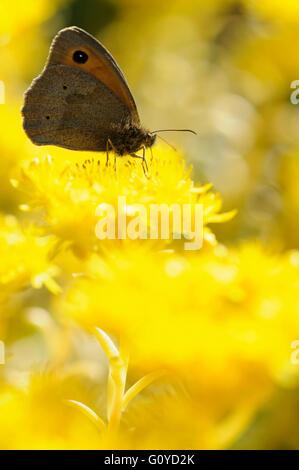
(131, 139)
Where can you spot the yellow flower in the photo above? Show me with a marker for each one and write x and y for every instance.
(21, 15)
(276, 10)
(221, 320)
(60, 410)
(37, 417)
(26, 257)
(70, 193)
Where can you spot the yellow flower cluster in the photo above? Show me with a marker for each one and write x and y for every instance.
(140, 344)
(204, 335)
(26, 257)
(69, 193)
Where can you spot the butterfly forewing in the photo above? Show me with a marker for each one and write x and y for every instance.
(65, 50)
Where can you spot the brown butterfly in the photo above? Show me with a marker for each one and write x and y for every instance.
(81, 100)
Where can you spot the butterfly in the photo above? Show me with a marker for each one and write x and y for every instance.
(81, 100)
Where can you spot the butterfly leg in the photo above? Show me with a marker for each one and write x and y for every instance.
(144, 159)
(107, 152)
(110, 146)
(144, 162)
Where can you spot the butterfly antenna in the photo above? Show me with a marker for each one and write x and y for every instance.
(174, 130)
(164, 140)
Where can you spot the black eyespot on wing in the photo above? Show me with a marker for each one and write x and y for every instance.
(64, 87)
(80, 57)
(48, 117)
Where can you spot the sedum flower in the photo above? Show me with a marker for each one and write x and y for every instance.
(26, 257)
(223, 321)
(62, 409)
(37, 417)
(13, 20)
(70, 193)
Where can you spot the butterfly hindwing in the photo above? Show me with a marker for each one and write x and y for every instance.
(68, 107)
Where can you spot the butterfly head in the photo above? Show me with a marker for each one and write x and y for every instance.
(149, 139)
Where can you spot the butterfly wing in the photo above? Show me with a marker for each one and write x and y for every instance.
(72, 109)
(100, 63)
(77, 105)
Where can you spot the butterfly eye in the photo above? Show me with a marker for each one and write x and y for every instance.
(80, 57)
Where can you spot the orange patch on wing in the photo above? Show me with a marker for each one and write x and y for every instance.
(97, 66)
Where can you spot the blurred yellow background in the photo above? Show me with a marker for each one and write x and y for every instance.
(222, 321)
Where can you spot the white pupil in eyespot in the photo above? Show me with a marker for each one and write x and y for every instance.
(80, 57)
